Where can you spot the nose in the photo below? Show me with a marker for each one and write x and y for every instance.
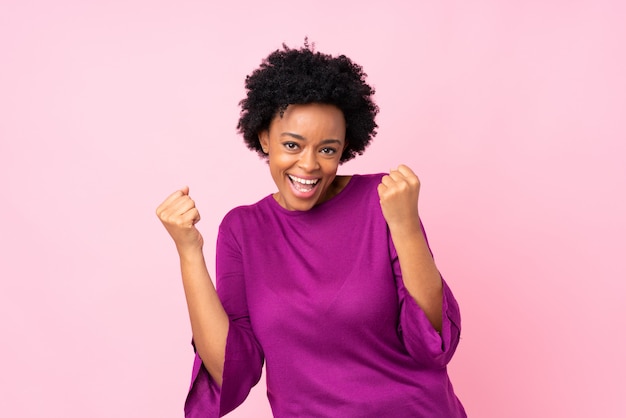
(308, 160)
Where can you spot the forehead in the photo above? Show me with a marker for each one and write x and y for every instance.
(314, 117)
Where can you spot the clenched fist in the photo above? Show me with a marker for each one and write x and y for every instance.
(179, 215)
(399, 192)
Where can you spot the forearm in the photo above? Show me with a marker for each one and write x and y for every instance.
(419, 273)
(209, 321)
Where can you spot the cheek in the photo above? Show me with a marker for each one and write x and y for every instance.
(330, 166)
(279, 162)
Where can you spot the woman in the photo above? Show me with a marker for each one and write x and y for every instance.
(329, 280)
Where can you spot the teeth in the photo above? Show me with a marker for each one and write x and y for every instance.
(303, 181)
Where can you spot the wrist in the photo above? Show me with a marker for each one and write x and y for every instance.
(190, 253)
(406, 226)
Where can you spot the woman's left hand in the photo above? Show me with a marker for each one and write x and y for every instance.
(399, 192)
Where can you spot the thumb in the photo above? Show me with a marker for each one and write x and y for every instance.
(185, 190)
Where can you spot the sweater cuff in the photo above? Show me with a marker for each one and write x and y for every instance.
(421, 339)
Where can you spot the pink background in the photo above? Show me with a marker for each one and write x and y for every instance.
(512, 113)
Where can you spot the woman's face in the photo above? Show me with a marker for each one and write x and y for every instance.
(304, 147)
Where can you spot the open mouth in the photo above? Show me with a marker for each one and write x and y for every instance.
(303, 185)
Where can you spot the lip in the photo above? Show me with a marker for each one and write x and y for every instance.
(304, 177)
(303, 194)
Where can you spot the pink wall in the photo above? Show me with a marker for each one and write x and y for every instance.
(511, 112)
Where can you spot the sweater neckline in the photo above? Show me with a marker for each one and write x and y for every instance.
(328, 203)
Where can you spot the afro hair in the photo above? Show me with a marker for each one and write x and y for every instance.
(302, 76)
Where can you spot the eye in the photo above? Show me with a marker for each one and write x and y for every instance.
(328, 150)
(290, 146)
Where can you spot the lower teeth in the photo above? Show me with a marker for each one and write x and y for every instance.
(303, 187)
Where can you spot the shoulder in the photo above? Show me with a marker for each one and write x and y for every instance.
(245, 214)
(368, 179)
(362, 192)
(365, 183)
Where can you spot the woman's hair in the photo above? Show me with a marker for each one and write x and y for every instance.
(301, 76)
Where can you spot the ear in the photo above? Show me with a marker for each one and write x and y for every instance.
(264, 140)
(345, 147)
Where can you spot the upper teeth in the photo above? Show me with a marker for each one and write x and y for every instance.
(303, 181)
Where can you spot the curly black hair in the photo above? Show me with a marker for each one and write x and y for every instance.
(302, 76)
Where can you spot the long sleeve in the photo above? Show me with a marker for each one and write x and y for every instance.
(244, 357)
(425, 345)
(322, 293)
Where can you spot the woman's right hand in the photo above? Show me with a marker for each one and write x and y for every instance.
(209, 321)
(179, 215)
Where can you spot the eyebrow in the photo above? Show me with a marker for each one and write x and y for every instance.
(301, 138)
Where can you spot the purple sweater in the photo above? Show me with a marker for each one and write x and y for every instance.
(319, 295)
